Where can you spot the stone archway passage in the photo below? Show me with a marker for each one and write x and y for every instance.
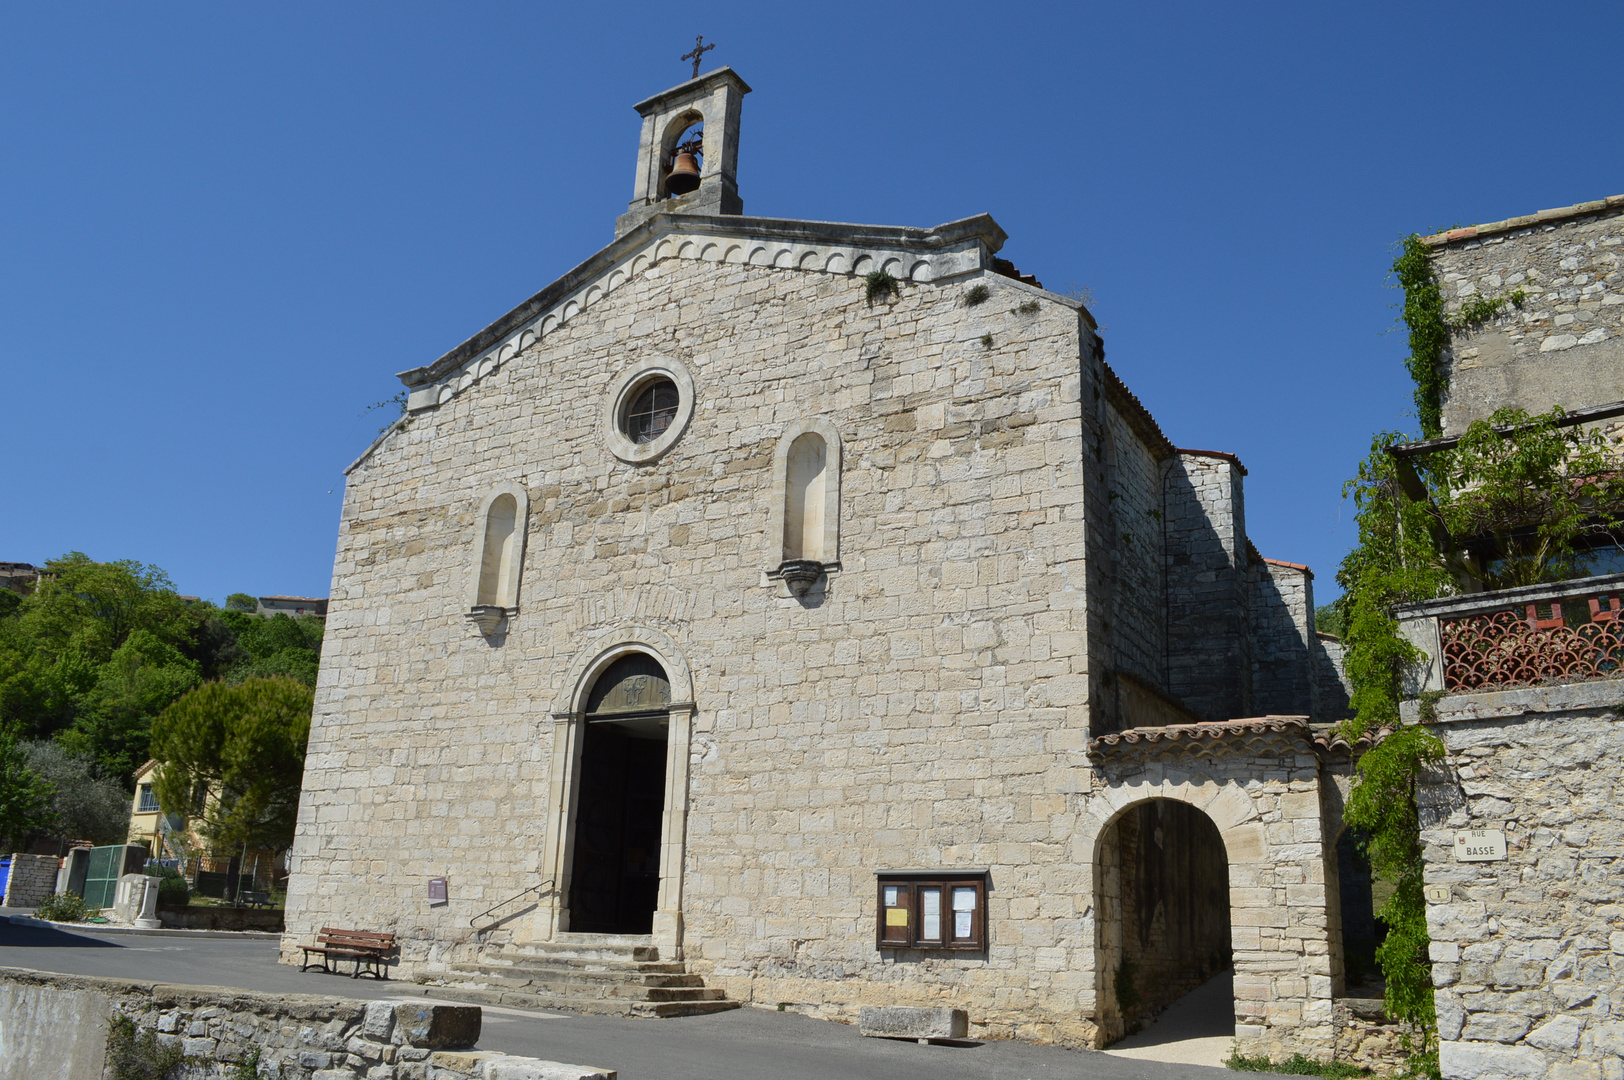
(615, 886)
(1164, 910)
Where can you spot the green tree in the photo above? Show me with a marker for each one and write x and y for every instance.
(25, 796)
(82, 807)
(114, 726)
(244, 745)
(54, 647)
(1328, 619)
(239, 601)
(279, 645)
(93, 655)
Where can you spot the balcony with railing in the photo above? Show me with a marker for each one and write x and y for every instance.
(1536, 636)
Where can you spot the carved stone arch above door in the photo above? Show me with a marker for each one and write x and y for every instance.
(569, 723)
(610, 645)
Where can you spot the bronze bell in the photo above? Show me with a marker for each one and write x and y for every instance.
(684, 175)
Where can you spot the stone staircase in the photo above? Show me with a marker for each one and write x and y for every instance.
(592, 973)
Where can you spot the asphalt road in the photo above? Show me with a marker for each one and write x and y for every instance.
(746, 1044)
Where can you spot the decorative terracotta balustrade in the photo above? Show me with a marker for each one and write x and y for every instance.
(1533, 643)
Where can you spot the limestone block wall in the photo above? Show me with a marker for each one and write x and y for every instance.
(1565, 346)
(1281, 612)
(57, 1026)
(1528, 953)
(1132, 523)
(1331, 687)
(927, 706)
(33, 878)
(1209, 659)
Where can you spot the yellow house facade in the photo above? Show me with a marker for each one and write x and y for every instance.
(193, 852)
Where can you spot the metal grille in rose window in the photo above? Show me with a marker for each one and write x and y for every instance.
(1531, 645)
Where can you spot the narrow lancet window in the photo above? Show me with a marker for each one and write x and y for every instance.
(804, 539)
(803, 497)
(498, 555)
(495, 573)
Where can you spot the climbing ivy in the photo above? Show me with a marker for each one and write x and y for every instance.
(1540, 491)
(1395, 562)
(1431, 329)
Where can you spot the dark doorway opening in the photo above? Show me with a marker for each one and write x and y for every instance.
(1362, 931)
(1164, 913)
(615, 880)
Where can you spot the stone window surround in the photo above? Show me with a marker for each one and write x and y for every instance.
(619, 396)
(509, 600)
(569, 730)
(774, 555)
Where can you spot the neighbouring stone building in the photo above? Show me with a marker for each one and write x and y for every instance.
(19, 577)
(1523, 822)
(1528, 943)
(293, 606)
(805, 613)
(1565, 344)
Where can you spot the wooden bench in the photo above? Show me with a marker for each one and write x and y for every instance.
(256, 899)
(363, 946)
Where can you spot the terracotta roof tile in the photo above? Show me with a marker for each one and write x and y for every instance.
(1266, 734)
(1560, 213)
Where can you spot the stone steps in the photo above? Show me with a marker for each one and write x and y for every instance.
(519, 974)
(593, 973)
(603, 1006)
(557, 963)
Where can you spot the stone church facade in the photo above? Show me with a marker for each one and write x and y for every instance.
(811, 606)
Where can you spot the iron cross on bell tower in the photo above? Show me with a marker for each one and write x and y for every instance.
(700, 49)
(671, 121)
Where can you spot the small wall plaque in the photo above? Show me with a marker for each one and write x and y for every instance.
(1480, 845)
(1437, 894)
(437, 891)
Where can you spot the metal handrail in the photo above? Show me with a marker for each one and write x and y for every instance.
(541, 889)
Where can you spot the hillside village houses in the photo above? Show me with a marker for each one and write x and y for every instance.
(807, 613)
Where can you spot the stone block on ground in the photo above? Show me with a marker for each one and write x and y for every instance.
(437, 1027)
(913, 1022)
(536, 1069)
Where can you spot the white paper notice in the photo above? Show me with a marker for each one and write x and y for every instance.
(964, 906)
(931, 915)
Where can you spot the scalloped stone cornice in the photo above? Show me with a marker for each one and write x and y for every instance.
(950, 250)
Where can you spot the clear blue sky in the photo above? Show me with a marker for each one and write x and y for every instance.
(223, 227)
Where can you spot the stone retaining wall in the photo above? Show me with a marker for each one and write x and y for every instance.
(33, 878)
(221, 918)
(56, 1026)
(1366, 1037)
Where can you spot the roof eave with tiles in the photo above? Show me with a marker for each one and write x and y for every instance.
(1258, 734)
(1527, 221)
